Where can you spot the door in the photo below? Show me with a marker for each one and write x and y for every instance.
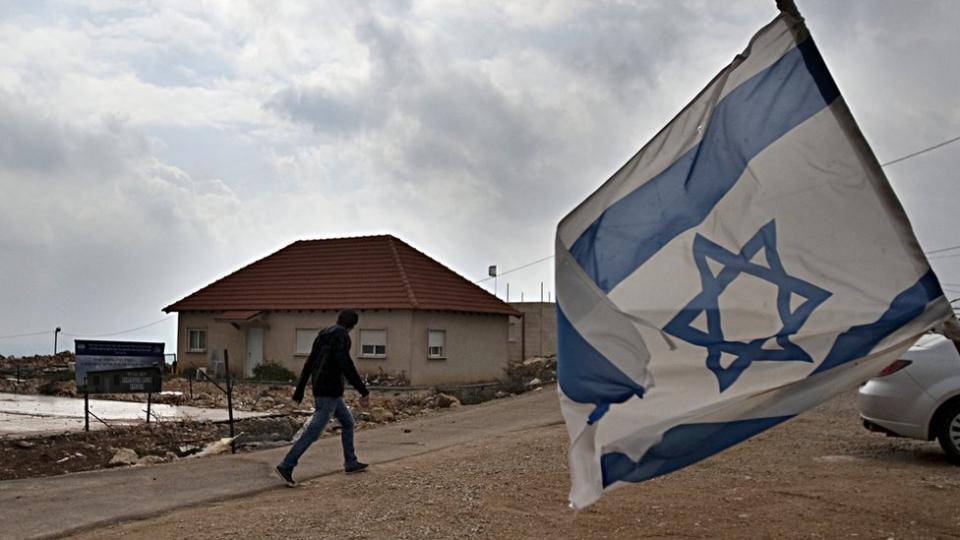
(254, 349)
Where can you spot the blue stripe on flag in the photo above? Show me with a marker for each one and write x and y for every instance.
(858, 341)
(681, 446)
(747, 120)
(689, 443)
(585, 375)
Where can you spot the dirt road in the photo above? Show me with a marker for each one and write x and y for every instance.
(818, 476)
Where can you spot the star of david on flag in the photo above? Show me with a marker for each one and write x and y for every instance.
(748, 263)
(707, 304)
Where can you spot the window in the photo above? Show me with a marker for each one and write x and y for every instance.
(436, 344)
(513, 331)
(305, 337)
(196, 339)
(373, 343)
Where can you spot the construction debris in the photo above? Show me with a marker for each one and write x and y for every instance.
(391, 400)
(123, 456)
(221, 446)
(445, 401)
(530, 374)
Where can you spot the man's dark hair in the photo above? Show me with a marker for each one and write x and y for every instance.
(347, 318)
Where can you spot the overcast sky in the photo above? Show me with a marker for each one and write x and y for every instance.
(149, 148)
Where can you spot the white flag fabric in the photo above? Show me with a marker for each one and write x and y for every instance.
(746, 264)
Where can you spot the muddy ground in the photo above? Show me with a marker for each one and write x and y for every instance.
(818, 476)
(53, 454)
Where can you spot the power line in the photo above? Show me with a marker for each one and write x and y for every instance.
(924, 151)
(27, 334)
(891, 162)
(942, 257)
(951, 248)
(168, 317)
(515, 269)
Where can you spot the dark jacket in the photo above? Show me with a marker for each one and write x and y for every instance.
(328, 364)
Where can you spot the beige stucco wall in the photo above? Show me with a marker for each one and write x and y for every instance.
(219, 336)
(279, 340)
(476, 345)
(476, 348)
(539, 330)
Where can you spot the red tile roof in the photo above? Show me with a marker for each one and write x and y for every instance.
(368, 272)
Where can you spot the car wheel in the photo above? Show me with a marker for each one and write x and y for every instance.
(948, 432)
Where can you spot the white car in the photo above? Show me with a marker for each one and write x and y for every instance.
(918, 396)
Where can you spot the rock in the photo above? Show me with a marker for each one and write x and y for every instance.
(188, 449)
(444, 401)
(217, 447)
(535, 382)
(24, 444)
(150, 460)
(500, 394)
(534, 361)
(380, 415)
(123, 456)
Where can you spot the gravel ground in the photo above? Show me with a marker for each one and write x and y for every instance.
(817, 476)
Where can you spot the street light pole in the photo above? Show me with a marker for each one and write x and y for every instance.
(55, 333)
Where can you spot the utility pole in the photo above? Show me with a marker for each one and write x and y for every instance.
(55, 333)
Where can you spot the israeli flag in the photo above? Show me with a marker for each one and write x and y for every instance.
(748, 263)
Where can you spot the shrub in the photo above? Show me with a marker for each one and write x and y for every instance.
(273, 372)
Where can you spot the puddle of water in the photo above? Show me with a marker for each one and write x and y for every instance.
(21, 413)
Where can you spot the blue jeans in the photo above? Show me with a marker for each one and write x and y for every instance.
(325, 408)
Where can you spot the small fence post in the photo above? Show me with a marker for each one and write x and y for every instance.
(226, 365)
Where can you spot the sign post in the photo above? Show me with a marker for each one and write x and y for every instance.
(226, 364)
(117, 367)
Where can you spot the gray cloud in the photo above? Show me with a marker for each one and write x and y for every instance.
(326, 113)
(148, 149)
(103, 234)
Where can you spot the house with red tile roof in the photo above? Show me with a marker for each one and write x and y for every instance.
(417, 317)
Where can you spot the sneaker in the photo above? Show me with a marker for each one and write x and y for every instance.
(286, 475)
(355, 468)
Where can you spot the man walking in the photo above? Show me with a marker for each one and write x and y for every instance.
(328, 364)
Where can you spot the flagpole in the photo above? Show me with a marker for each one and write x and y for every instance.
(789, 7)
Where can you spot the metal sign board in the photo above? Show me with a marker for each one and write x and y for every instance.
(110, 356)
(124, 381)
